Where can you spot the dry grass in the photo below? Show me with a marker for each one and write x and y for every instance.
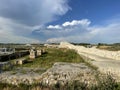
(54, 55)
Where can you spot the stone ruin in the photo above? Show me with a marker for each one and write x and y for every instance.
(33, 53)
(4, 51)
(20, 61)
(39, 52)
(60, 72)
(36, 53)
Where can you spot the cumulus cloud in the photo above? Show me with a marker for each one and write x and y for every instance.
(33, 12)
(11, 32)
(75, 31)
(84, 22)
(82, 31)
(54, 27)
(18, 18)
(25, 21)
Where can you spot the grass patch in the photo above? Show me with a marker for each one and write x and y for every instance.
(55, 55)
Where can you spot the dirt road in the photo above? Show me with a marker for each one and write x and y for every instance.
(97, 58)
(103, 64)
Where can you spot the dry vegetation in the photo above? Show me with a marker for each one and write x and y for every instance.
(54, 55)
(111, 47)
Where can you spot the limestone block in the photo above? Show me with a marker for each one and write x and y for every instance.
(39, 52)
(33, 54)
(43, 50)
(20, 62)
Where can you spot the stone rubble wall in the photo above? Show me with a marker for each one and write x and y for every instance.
(103, 53)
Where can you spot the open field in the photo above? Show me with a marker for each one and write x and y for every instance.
(54, 55)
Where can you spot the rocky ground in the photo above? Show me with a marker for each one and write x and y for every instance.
(21, 75)
(60, 72)
(64, 72)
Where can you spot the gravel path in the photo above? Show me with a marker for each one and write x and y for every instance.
(104, 64)
(99, 58)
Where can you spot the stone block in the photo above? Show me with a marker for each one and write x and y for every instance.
(33, 54)
(39, 52)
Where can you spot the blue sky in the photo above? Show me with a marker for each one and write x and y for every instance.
(45, 21)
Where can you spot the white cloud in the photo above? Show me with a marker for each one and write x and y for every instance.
(18, 18)
(74, 32)
(33, 12)
(12, 38)
(13, 32)
(21, 20)
(54, 27)
(73, 38)
(107, 34)
(83, 22)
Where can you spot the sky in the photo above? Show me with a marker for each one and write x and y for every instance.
(53, 21)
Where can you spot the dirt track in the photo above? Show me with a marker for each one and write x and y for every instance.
(103, 63)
